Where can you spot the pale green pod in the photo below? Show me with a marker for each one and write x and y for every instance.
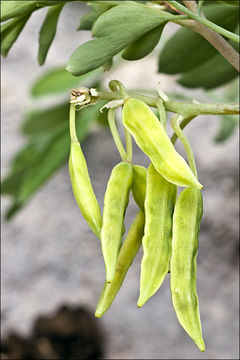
(139, 185)
(159, 205)
(183, 266)
(82, 189)
(128, 251)
(153, 140)
(115, 203)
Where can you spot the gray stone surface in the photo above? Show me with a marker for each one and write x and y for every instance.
(49, 256)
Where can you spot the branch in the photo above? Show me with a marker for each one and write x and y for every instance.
(185, 108)
(205, 22)
(215, 39)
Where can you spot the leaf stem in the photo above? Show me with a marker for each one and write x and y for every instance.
(115, 134)
(176, 127)
(205, 22)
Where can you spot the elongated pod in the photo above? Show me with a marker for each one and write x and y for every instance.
(115, 202)
(153, 140)
(128, 251)
(81, 183)
(183, 266)
(159, 205)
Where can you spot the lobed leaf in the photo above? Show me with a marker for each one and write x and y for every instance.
(144, 45)
(115, 29)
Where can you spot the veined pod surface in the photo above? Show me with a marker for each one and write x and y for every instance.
(183, 266)
(128, 251)
(82, 188)
(139, 185)
(153, 140)
(159, 205)
(115, 202)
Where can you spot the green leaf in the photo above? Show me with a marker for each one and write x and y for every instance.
(38, 121)
(186, 49)
(48, 32)
(59, 80)
(87, 20)
(10, 32)
(228, 123)
(227, 126)
(11, 9)
(51, 3)
(211, 74)
(144, 45)
(115, 29)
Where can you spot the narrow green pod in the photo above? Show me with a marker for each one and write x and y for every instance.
(159, 205)
(183, 266)
(82, 188)
(115, 202)
(153, 140)
(128, 251)
(139, 185)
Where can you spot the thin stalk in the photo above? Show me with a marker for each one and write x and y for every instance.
(162, 112)
(176, 127)
(205, 22)
(116, 137)
(72, 124)
(184, 123)
(128, 145)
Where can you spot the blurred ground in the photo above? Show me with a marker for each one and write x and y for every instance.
(50, 257)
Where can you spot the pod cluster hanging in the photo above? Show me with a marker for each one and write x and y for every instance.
(166, 226)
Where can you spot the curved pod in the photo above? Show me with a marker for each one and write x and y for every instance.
(82, 189)
(183, 266)
(153, 140)
(115, 202)
(159, 205)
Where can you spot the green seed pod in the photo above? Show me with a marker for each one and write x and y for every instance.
(115, 203)
(159, 205)
(128, 251)
(139, 185)
(183, 266)
(82, 188)
(153, 140)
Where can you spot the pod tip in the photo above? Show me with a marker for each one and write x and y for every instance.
(200, 344)
(98, 314)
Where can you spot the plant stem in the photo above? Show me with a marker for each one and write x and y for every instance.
(162, 112)
(176, 127)
(205, 22)
(128, 145)
(116, 137)
(72, 124)
(186, 108)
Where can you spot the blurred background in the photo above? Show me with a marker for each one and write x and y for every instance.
(52, 267)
